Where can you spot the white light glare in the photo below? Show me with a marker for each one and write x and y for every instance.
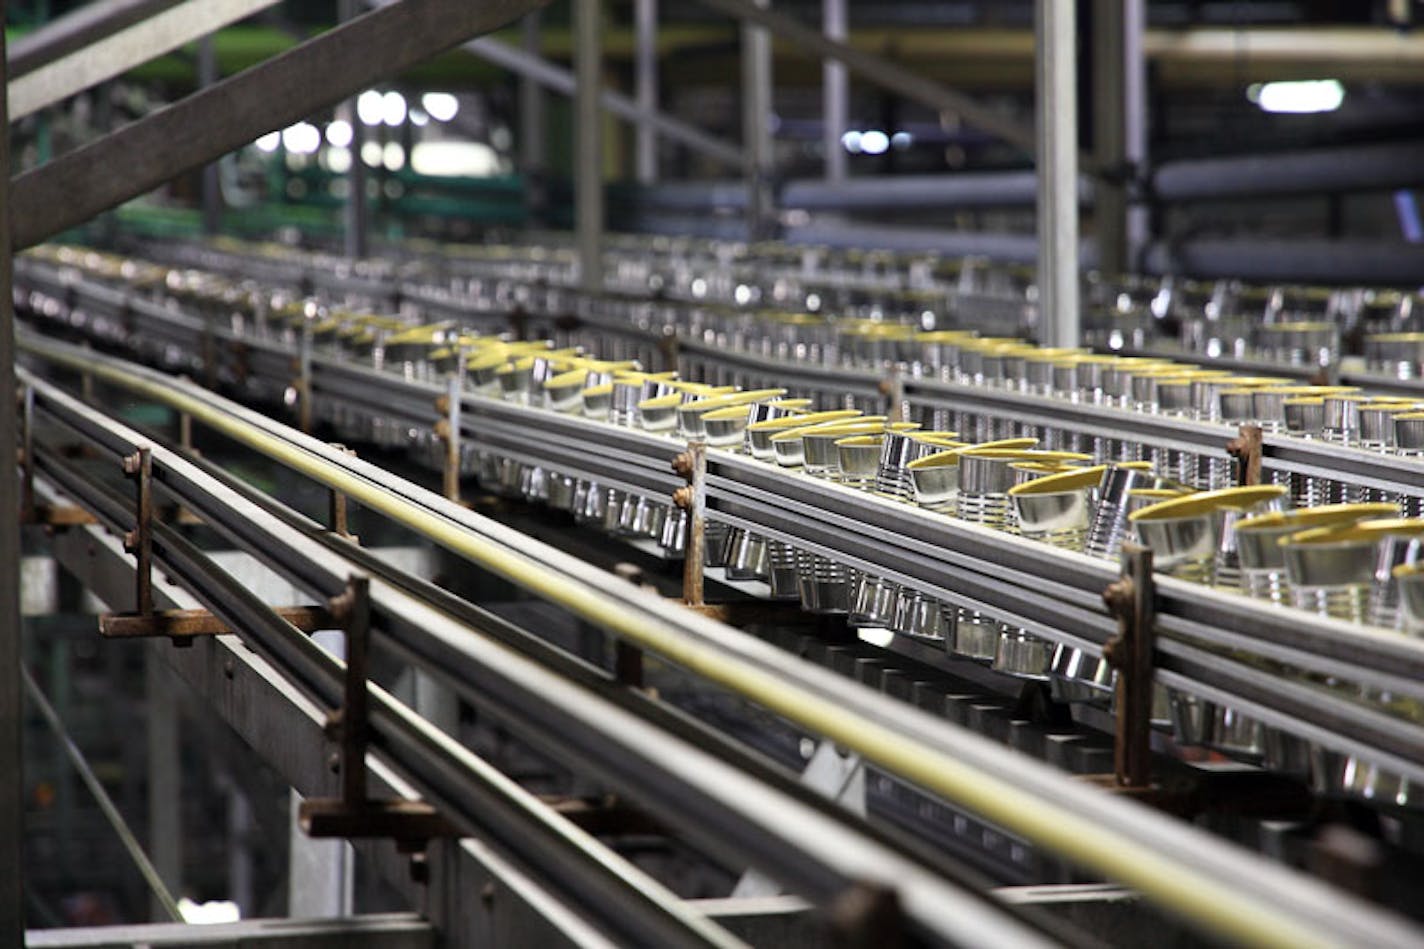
(850, 141)
(214, 911)
(393, 109)
(874, 142)
(301, 139)
(269, 142)
(1310, 95)
(370, 107)
(393, 156)
(338, 133)
(442, 106)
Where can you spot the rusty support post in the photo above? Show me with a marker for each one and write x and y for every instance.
(1132, 600)
(892, 387)
(692, 465)
(628, 664)
(668, 350)
(139, 541)
(451, 436)
(337, 504)
(1246, 450)
(353, 609)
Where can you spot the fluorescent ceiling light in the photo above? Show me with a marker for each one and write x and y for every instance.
(1298, 97)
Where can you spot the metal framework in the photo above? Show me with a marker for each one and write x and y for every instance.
(1048, 592)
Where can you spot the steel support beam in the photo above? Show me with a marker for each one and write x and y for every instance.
(165, 779)
(588, 160)
(12, 758)
(533, 125)
(835, 92)
(1056, 109)
(116, 53)
(82, 26)
(562, 81)
(355, 216)
(645, 84)
(212, 184)
(376, 931)
(272, 95)
(756, 125)
(878, 70)
(1119, 139)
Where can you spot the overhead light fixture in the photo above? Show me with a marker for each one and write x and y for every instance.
(441, 106)
(393, 108)
(339, 133)
(370, 107)
(1298, 96)
(269, 142)
(301, 139)
(874, 142)
(850, 141)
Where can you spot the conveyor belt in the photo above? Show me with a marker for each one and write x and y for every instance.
(1115, 838)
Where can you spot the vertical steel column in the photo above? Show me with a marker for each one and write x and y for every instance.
(756, 125)
(1119, 129)
(835, 92)
(1056, 107)
(165, 830)
(645, 87)
(212, 184)
(533, 126)
(354, 215)
(588, 163)
(12, 759)
(320, 872)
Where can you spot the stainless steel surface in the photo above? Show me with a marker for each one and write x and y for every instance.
(588, 137)
(1056, 163)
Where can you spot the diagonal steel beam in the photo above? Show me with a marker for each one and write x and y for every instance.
(77, 29)
(880, 71)
(117, 53)
(271, 95)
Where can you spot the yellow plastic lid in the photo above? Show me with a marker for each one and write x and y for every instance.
(729, 398)
(1205, 502)
(800, 421)
(567, 379)
(1024, 454)
(1307, 518)
(1075, 479)
(1359, 532)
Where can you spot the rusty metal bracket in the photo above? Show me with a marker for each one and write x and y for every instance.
(668, 350)
(337, 504)
(180, 624)
(447, 429)
(866, 915)
(1245, 449)
(409, 823)
(692, 497)
(61, 515)
(139, 541)
(1132, 600)
(892, 387)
